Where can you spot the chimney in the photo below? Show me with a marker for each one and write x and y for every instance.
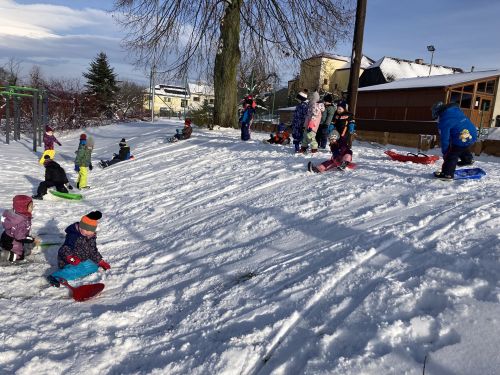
(419, 61)
(472, 68)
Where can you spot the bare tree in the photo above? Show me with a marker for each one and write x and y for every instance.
(36, 79)
(180, 34)
(11, 71)
(130, 99)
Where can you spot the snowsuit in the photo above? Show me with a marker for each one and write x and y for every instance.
(82, 164)
(344, 124)
(299, 117)
(281, 136)
(54, 176)
(76, 244)
(16, 237)
(340, 153)
(311, 123)
(123, 154)
(457, 134)
(326, 119)
(48, 141)
(185, 133)
(246, 120)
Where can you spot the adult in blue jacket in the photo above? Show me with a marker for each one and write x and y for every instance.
(457, 134)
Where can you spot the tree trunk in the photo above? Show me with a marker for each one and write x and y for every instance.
(227, 61)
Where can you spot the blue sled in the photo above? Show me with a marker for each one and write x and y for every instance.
(70, 272)
(469, 174)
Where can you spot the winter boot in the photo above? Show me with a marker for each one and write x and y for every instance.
(343, 165)
(53, 281)
(38, 196)
(314, 150)
(442, 176)
(462, 163)
(302, 150)
(312, 168)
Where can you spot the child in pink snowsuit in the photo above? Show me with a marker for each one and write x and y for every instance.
(311, 123)
(341, 155)
(16, 241)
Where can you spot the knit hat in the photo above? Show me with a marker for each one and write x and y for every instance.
(342, 104)
(334, 136)
(83, 136)
(437, 109)
(122, 143)
(302, 96)
(48, 129)
(20, 204)
(328, 98)
(89, 221)
(187, 122)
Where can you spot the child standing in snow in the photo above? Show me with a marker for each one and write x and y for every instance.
(83, 161)
(79, 256)
(341, 155)
(16, 242)
(184, 133)
(344, 121)
(326, 119)
(311, 123)
(246, 118)
(299, 117)
(123, 154)
(48, 141)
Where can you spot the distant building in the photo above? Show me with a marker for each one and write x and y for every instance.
(170, 99)
(389, 69)
(404, 106)
(325, 72)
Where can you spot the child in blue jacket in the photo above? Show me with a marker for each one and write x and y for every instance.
(457, 134)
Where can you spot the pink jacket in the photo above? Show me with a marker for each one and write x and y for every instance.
(314, 113)
(18, 227)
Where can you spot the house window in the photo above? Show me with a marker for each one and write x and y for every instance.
(196, 98)
(485, 105)
(184, 103)
(455, 97)
(490, 87)
(211, 101)
(325, 81)
(469, 88)
(169, 100)
(336, 86)
(466, 101)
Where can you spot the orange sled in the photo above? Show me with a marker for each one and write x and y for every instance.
(419, 158)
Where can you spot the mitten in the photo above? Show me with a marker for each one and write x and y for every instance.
(73, 259)
(90, 166)
(59, 143)
(105, 266)
(77, 168)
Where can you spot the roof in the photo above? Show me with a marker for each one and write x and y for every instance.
(201, 89)
(394, 69)
(365, 61)
(444, 80)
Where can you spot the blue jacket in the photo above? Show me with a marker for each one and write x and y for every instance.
(247, 115)
(299, 116)
(77, 244)
(455, 129)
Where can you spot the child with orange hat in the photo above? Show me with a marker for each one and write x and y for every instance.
(78, 256)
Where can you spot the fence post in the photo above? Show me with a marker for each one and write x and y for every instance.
(35, 118)
(17, 119)
(40, 118)
(7, 119)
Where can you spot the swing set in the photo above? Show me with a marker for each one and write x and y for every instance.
(13, 96)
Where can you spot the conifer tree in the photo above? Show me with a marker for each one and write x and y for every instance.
(101, 82)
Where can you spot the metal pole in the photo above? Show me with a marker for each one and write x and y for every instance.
(17, 119)
(35, 115)
(185, 94)
(152, 94)
(432, 58)
(40, 119)
(7, 119)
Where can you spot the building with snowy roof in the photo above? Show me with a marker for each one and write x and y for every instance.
(389, 69)
(325, 72)
(403, 106)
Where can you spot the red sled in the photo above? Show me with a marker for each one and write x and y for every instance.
(419, 158)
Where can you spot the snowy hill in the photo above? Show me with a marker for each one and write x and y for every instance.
(228, 258)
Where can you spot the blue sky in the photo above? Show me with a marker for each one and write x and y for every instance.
(62, 36)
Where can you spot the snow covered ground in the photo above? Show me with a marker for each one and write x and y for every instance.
(229, 258)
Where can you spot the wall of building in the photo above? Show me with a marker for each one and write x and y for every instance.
(496, 109)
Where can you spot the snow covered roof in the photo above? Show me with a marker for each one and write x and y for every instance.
(433, 81)
(171, 90)
(394, 69)
(200, 89)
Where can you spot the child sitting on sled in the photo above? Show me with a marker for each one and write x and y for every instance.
(54, 176)
(78, 256)
(184, 133)
(341, 155)
(123, 154)
(282, 137)
(16, 242)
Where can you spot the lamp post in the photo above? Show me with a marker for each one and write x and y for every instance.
(431, 49)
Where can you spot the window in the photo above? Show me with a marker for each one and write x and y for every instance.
(476, 102)
(211, 101)
(184, 103)
(490, 87)
(455, 97)
(196, 98)
(485, 105)
(466, 101)
(325, 81)
(469, 88)
(169, 100)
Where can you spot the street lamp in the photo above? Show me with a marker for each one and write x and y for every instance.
(431, 49)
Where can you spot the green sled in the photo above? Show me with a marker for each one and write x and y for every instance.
(66, 195)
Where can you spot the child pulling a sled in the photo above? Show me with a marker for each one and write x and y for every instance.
(341, 155)
(78, 256)
(16, 242)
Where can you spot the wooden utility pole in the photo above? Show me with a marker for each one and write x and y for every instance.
(356, 55)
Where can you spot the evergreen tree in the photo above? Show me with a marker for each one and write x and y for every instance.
(101, 82)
